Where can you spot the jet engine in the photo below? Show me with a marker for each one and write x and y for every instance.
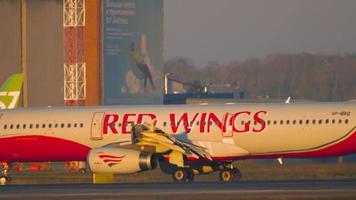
(120, 160)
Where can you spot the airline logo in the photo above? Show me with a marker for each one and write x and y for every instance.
(111, 160)
(239, 122)
(8, 98)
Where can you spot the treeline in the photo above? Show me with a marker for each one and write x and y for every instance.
(302, 76)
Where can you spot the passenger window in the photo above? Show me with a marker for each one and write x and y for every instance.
(197, 123)
(31, 126)
(49, 125)
(55, 125)
(300, 121)
(320, 121)
(346, 121)
(287, 122)
(24, 126)
(62, 125)
(37, 126)
(307, 121)
(75, 125)
(43, 125)
(11, 126)
(274, 122)
(69, 125)
(18, 126)
(81, 125)
(164, 123)
(269, 122)
(326, 121)
(294, 121)
(314, 121)
(5, 126)
(281, 122)
(333, 121)
(242, 122)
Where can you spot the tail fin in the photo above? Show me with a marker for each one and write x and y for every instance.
(10, 91)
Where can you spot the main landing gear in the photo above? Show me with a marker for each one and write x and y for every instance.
(227, 173)
(181, 175)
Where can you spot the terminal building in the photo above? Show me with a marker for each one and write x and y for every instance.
(81, 52)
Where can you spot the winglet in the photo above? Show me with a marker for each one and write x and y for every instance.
(288, 100)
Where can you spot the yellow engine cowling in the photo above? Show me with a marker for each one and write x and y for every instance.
(119, 160)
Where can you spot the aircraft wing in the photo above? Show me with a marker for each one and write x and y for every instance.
(144, 136)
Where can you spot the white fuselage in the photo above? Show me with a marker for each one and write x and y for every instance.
(227, 131)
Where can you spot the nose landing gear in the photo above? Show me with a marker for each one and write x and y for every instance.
(4, 178)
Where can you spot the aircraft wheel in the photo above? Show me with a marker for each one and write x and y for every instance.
(191, 175)
(237, 174)
(3, 180)
(226, 175)
(180, 175)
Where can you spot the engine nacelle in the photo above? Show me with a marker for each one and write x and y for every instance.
(120, 160)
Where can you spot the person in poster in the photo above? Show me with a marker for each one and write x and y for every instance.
(141, 60)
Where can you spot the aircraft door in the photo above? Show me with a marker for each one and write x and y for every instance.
(96, 132)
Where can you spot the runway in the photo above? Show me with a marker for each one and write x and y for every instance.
(328, 189)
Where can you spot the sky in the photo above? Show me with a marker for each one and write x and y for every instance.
(235, 30)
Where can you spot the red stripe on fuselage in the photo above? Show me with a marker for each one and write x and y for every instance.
(41, 148)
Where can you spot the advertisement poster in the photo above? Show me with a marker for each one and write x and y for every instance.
(132, 52)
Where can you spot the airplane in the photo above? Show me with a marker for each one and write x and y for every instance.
(183, 140)
(10, 92)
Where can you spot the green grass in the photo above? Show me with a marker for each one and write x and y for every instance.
(251, 171)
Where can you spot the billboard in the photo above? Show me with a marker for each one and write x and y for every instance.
(132, 52)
